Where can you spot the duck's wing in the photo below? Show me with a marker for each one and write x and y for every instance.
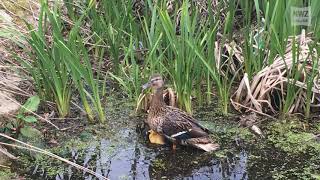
(179, 125)
(189, 118)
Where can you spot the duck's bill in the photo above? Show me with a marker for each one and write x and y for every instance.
(145, 86)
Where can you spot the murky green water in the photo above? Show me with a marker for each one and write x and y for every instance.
(118, 150)
(128, 156)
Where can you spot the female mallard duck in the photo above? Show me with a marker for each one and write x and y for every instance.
(174, 124)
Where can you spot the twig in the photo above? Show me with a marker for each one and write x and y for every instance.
(15, 92)
(5, 152)
(4, 166)
(66, 128)
(36, 149)
(19, 67)
(65, 118)
(76, 105)
(261, 113)
(4, 7)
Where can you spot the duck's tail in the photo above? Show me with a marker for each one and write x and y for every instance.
(203, 143)
(207, 147)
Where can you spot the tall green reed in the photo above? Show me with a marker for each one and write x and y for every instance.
(115, 26)
(222, 82)
(171, 47)
(63, 63)
(180, 46)
(302, 69)
(47, 68)
(271, 38)
(293, 75)
(253, 46)
(310, 79)
(111, 22)
(184, 67)
(278, 27)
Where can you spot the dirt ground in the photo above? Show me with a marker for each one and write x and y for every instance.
(12, 13)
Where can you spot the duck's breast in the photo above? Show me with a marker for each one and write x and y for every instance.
(155, 123)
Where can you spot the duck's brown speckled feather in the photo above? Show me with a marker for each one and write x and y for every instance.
(176, 121)
(176, 125)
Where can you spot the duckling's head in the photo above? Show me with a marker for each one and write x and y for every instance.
(156, 82)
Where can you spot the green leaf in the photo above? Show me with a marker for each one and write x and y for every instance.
(31, 104)
(29, 119)
(20, 116)
(9, 126)
(30, 132)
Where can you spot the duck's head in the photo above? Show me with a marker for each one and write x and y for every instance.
(156, 82)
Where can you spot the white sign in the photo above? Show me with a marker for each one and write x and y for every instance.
(301, 16)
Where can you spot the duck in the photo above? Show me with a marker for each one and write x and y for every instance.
(168, 123)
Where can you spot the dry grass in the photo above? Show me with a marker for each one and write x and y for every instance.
(260, 92)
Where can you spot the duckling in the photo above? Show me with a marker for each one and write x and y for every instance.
(174, 124)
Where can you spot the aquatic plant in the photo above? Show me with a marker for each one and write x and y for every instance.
(290, 137)
(47, 68)
(62, 63)
(185, 70)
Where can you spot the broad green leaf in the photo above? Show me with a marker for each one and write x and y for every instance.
(31, 104)
(30, 132)
(29, 119)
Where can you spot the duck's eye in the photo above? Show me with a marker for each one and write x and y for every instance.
(154, 80)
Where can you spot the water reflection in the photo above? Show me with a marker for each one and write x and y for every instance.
(135, 159)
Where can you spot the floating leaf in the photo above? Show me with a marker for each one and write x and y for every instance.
(30, 132)
(31, 104)
(29, 119)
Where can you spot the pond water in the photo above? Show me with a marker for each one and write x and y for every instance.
(118, 150)
(135, 160)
